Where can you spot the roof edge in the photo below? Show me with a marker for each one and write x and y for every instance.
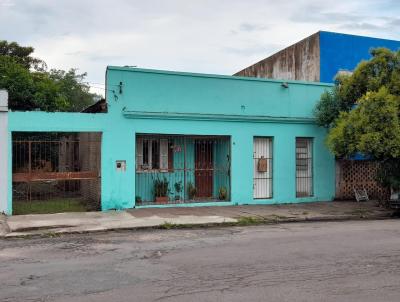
(216, 76)
(358, 36)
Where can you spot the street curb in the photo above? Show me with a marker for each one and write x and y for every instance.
(4, 228)
(47, 232)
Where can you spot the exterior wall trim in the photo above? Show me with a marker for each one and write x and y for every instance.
(217, 117)
(4, 152)
(216, 76)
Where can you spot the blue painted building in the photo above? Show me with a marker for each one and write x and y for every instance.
(186, 139)
(343, 52)
(318, 57)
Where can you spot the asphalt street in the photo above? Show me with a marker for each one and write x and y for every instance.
(329, 261)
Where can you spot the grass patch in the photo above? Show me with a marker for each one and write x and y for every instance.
(48, 206)
(241, 221)
(167, 226)
(360, 212)
(249, 220)
(277, 217)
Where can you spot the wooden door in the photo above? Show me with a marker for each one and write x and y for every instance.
(204, 168)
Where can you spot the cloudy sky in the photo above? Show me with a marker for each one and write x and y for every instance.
(219, 36)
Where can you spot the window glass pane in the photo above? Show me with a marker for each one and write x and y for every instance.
(145, 153)
(164, 154)
(170, 155)
(155, 154)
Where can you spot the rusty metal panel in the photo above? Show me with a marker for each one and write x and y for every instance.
(42, 176)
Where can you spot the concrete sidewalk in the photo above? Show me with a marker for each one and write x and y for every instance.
(41, 224)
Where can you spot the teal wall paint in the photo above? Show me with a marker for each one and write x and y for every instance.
(158, 91)
(170, 92)
(173, 92)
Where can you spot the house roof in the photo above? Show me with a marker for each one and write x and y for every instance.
(98, 107)
(215, 76)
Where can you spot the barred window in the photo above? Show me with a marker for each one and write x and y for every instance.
(304, 167)
(262, 167)
(154, 154)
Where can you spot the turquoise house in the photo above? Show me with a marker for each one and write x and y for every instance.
(185, 139)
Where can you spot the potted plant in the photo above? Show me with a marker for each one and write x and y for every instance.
(161, 190)
(192, 191)
(178, 190)
(138, 200)
(222, 193)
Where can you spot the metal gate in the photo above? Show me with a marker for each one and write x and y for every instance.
(55, 172)
(174, 169)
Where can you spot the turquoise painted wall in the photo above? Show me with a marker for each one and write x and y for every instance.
(181, 103)
(174, 92)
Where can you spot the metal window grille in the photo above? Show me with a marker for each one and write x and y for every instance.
(304, 167)
(188, 168)
(262, 167)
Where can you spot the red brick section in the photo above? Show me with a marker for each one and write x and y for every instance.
(359, 173)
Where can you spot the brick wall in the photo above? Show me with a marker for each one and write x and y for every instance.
(350, 173)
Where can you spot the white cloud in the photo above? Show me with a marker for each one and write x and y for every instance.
(200, 36)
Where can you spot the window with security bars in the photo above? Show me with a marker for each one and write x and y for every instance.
(262, 167)
(304, 167)
(154, 154)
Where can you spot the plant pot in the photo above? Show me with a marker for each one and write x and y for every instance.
(162, 199)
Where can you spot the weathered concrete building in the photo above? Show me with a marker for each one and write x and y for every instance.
(318, 57)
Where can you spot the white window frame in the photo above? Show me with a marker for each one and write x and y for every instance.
(163, 144)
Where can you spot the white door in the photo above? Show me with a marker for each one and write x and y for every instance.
(262, 166)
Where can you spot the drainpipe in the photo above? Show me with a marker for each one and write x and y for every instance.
(4, 152)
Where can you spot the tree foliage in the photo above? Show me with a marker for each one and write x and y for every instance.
(362, 113)
(372, 128)
(32, 87)
(383, 69)
(22, 55)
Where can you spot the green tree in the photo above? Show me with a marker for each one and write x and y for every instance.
(362, 113)
(22, 55)
(74, 89)
(381, 70)
(372, 128)
(19, 82)
(32, 87)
